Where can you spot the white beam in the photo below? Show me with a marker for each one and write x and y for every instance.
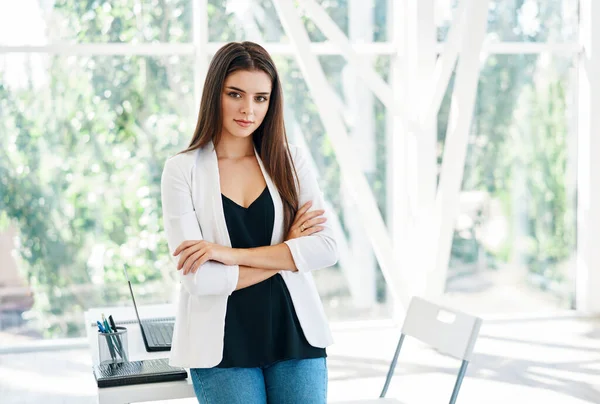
(420, 157)
(455, 146)
(341, 108)
(396, 140)
(146, 49)
(360, 102)
(246, 14)
(335, 34)
(277, 48)
(421, 62)
(566, 48)
(352, 176)
(430, 105)
(359, 98)
(200, 38)
(389, 121)
(347, 263)
(172, 48)
(322, 48)
(588, 192)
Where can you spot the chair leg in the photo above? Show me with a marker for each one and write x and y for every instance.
(459, 378)
(392, 367)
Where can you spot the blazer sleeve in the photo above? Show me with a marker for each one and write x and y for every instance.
(320, 249)
(181, 224)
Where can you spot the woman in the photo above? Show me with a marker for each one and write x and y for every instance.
(244, 215)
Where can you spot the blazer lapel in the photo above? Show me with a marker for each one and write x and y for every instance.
(277, 236)
(209, 205)
(212, 217)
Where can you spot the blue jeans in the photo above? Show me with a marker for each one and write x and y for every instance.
(302, 381)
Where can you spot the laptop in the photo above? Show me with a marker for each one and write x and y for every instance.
(137, 372)
(157, 334)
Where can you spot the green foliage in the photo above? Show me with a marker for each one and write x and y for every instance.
(81, 154)
(83, 145)
(88, 21)
(548, 210)
(83, 141)
(518, 153)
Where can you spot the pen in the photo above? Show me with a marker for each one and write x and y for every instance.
(109, 340)
(105, 324)
(117, 337)
(112, 323)
(100, 327)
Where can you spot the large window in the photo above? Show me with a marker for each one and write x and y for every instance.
(85, 134)
(514, 245)
(90, 113)
(519, 20)
(59, 22)
(83, 145)
(345, 295)
(514, 241)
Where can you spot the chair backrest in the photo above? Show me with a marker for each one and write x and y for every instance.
(449, 331)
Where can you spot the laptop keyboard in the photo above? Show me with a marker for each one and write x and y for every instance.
(146, 371)
(159, 334)
(145, 367)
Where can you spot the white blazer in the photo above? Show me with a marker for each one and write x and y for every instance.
(193, 210)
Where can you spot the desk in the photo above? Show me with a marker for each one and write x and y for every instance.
(137, 351)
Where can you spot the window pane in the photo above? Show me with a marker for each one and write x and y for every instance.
(520, 21)
(514, 239)
(254, 20)
(83, 144)
(354, 289)
(258, 20)
(38, 22)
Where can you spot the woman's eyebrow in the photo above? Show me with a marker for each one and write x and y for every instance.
(242, 91)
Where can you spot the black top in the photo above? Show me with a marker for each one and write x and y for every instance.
(261, 326)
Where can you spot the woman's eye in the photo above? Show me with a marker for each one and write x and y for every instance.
(261, 99)
(233, 94)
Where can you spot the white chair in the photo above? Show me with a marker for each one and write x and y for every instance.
(449, 331)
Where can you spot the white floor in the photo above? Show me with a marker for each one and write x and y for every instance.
(546, 360)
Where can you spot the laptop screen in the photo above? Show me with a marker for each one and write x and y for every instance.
(133, 298)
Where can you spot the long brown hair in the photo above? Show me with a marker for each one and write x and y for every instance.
(269, 138)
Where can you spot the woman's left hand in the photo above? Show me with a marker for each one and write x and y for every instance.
(194, 253)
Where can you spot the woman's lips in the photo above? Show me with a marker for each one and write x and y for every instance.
(242, 123)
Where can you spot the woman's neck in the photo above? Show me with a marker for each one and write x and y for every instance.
(230, 147)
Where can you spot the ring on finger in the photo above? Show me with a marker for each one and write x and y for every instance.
(302, 227)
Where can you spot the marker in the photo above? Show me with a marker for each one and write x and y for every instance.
(117, 338)
(105, 323)
(112, 323)
(112, 346)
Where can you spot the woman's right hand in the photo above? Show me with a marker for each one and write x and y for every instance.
(306, 223)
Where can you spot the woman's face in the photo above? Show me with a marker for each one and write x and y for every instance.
(245, 101)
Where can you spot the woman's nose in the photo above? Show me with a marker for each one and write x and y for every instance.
(248, 108)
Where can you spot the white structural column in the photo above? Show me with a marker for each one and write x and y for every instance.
(420, 141)
(347, 262)
(247, 14)
(352, 174)
(362, 276)
(393, 31)
(335, 34)
(420, 58)
(455, 146)
(436, 88)
(588, 192)
(419, 83)
(200, 38)
(396, 137)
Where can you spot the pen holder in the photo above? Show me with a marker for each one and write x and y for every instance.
(112, 347)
